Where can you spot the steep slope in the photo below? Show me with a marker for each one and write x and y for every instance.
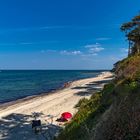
(113, 113)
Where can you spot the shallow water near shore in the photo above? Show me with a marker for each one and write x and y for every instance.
(16, 84)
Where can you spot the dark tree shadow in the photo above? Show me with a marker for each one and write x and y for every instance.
(88, 89)
(92, 84)
(83, 93)
(102, 82)
(19, 127)
(91, 88)
(85, 87)
(110, 77)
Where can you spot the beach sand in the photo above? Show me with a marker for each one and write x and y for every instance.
(16, 117)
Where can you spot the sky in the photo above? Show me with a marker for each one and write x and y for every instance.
(63, 34)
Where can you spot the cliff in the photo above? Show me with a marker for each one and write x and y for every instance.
(113, 113)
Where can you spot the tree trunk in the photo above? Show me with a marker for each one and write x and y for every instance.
(129, 49)
(138, 46)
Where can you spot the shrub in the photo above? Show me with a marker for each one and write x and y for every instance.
(82, 102)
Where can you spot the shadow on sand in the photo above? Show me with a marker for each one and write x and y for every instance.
(19, 127)
(91, 88)
(102, 82)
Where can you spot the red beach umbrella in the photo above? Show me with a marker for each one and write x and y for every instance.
(66, 115)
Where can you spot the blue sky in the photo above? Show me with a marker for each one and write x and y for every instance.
(63, 34)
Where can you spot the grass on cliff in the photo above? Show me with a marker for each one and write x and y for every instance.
(128, 68)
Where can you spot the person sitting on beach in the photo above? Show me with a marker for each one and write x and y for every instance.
(67, 84)
(65, 117)
(61, 119)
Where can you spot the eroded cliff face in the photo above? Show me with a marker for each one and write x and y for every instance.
(128, 68)
(121, 121)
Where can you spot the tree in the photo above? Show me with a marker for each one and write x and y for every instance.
(132, 31)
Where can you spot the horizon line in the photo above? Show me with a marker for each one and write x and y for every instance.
(55, 69)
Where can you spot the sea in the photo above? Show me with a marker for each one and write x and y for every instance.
(17, 84)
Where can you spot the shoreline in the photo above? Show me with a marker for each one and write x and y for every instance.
(27, 98)
(30, 97)
(62, 100)
(48, 91)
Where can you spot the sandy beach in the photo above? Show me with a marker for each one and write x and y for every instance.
(15, 118)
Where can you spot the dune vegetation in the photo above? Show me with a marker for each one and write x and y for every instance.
(113, 113)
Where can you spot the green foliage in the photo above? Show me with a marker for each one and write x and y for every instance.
(82, 102)
(124, 115)
(128, 68)
(107, 96)
(87, 108)
(132, 31)
(133, 85)
(108, 88)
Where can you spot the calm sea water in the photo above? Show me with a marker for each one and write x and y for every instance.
(16, 84)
